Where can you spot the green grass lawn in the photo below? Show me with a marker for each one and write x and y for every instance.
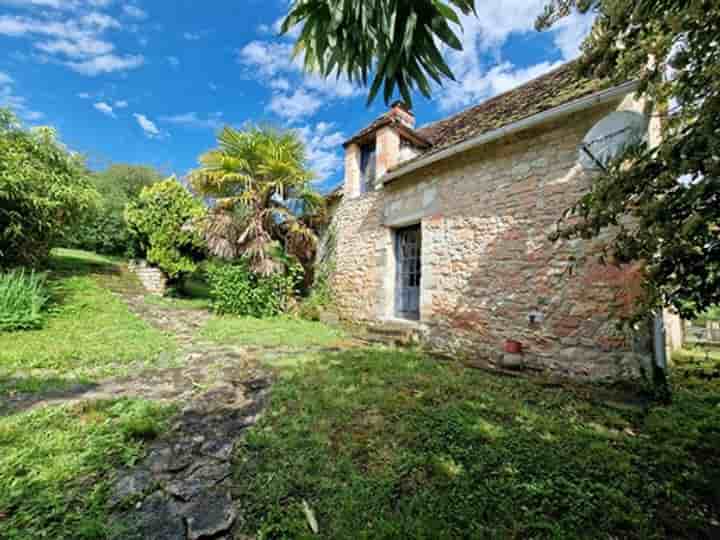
(89, 334)
(385, 444)
(57, 465)
(279, 332)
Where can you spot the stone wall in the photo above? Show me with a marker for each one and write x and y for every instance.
(488, 265)
(152, 278)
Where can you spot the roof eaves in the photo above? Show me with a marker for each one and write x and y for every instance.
(576, 105)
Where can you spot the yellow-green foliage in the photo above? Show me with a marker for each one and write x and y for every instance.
(44, 192)
(164, 223)
(22, 299)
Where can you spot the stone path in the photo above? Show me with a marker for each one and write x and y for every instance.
(181, 490)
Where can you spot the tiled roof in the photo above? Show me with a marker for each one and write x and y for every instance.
(548, 91)
(553, 89)
(386, 120)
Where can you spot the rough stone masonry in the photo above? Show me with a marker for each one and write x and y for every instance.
(489, 271)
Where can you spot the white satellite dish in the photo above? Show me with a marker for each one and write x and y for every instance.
(609, 137)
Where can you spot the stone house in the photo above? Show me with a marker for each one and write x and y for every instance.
(443, 230)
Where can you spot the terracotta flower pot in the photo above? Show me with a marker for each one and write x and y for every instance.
(513, 347)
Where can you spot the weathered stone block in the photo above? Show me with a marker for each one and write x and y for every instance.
(152, 278)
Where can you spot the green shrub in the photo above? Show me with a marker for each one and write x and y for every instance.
(162, 223)
(44, 192)
(235, 290)
(22, 299)
(106, 231)
(321, 295)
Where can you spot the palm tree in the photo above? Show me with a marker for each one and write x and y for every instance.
(260, 183)
(399, 40)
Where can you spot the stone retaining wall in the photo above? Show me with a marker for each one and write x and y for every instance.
(152, 278)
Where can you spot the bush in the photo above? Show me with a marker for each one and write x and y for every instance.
(44, 192)
(235, 290)
(321, 295)
(163, 226)
(22, 299)
(106, 231)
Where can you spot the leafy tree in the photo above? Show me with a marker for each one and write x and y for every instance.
(397, 39)
(163, 223)
(261, 186)
(671, 192)
(44, 192)
(106, 231)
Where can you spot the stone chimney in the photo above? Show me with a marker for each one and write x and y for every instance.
(386, 139)
(400, 112)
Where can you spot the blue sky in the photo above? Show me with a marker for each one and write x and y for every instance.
(151, 82)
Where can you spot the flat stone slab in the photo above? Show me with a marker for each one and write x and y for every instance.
(201, 479)
(211, 514)
(131, 484)
(157, 518)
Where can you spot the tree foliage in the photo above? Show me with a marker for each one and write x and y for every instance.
(44, 192)
(105, 231)
(664, 200)
(261, 187)
(163, 224)
(399, 40)
(236, 290)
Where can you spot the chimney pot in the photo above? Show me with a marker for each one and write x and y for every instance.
(401, 112)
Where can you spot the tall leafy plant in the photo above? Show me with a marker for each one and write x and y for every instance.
(106, 231)
(400, 41)
(44, 192)
(671, 191)
(23, 297)
(236, 290)
(163, 224)
(260, 183)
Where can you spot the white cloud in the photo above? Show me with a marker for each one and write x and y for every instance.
(105, 109)
(106, 64)
(296, 94)
(122, 104)
(268, 57)
(332, 86)
(281, 84)
(296, 106)
(99, 21)
(191, 36)
(134, 12)
(62, 5)
(8, 98)
(84, 95)
(323, 144)
(148, 126)
(192, 119)
(174, 61)
(78, 48)
(75, 35)
(483, 37)
(478, 85)
(570, 32)
(276, 27)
